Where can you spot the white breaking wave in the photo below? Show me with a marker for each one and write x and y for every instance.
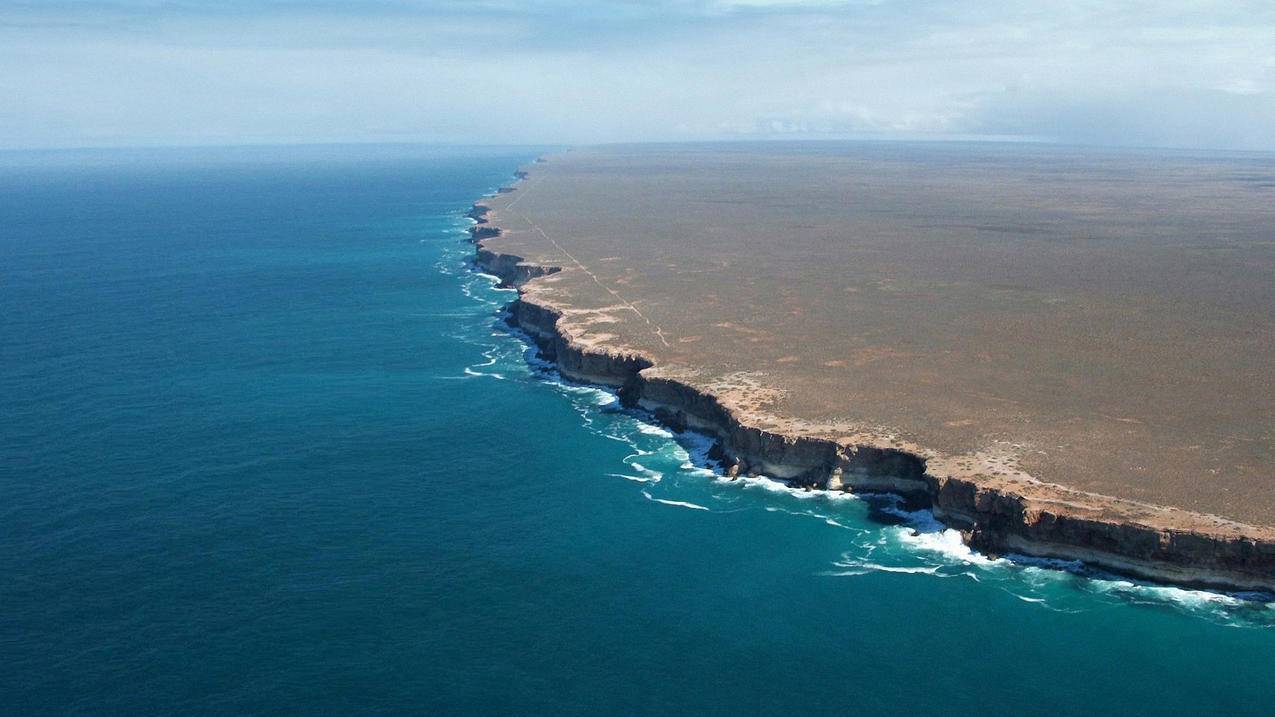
(946, 542)
(636, 479)
(471, 372)
(692, 469)
(865, 568)
(651, 429)
(652, 474)
(677, 503)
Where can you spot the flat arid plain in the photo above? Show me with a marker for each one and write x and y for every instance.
(1089, 328)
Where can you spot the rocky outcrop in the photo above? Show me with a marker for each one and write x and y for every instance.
(509, 268)
(996, 517)
(801, 460)
(576, 361)
(479, 232)
(998, 521)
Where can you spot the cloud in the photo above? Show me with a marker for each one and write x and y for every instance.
(1150, 117)
(1190, 73)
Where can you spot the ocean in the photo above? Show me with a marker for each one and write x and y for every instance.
(268, 447)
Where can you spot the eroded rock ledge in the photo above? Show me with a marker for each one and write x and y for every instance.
(1016, 515)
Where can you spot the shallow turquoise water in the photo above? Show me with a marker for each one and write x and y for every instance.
(266, 447)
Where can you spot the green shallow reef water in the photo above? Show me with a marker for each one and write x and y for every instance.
(268, 448)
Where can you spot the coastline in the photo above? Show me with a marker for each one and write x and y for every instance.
(1013, 514)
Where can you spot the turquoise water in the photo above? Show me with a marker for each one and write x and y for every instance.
(267, 448)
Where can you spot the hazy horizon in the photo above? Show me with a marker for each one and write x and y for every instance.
(128, 73)
(551, 147)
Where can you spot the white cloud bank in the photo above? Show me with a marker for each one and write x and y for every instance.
(1142, 73)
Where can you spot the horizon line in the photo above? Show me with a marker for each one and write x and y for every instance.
(769, 139)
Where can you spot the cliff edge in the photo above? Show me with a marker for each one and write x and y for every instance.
(999, 508)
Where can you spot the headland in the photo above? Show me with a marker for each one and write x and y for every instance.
(1062, 354)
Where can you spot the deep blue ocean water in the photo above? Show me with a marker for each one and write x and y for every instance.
(266, 447)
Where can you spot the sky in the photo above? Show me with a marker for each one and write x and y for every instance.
(1172, 73)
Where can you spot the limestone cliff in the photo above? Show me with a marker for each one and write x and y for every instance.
(1011, 514)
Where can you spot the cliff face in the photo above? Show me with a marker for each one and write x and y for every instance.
(997, 517)
(998, 521)
(575, 361)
